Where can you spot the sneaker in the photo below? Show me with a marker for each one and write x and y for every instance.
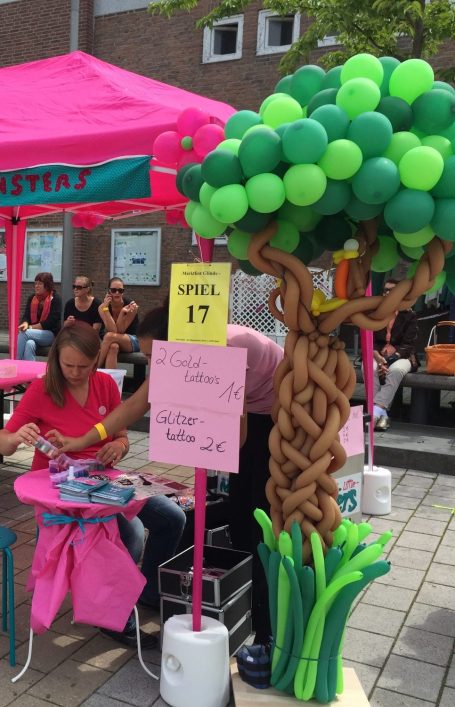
(382, 424)
(129, 638)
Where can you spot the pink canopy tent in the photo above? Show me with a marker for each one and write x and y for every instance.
(77, 136)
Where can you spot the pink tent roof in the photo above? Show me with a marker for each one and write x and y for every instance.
(78, 110)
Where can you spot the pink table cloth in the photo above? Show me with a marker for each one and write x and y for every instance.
(26, 371)
(87, 559)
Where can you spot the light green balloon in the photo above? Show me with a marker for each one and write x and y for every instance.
(357, 96)
(421, 168)
(205, 194)
(401, 143)
(281, 110)
(229, 203)
(417, 239)
(387, 256)
(232, 144)
(304, 184)
(410, 79)
(439, 143)
(270, 99)
(414, 253)
(238, 244)
(189, 211)
(205, 225)
(265, 192)
(286, 238)
(364, 66)
(341, 160)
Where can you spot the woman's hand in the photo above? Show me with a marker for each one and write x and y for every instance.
(111, 453)
(131, 307)
(69, 321)
(24, 326)
(27, 434)
(64, 443)
(106, 301)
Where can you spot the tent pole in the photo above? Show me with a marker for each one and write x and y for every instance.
(67, 259)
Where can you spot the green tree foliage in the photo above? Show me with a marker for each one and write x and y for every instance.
(399, 28)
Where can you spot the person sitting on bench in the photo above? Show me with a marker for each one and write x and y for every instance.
(394, 357)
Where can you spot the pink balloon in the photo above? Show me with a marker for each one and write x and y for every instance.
(188, 156)
(173, 217)
(166, 147)
(87, 221)
(207, 138)
(190, 120)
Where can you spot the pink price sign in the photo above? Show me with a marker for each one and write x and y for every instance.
(196, 395)
(351, 435)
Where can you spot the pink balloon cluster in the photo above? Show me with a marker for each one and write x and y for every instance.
(194, 138)
(87, 221)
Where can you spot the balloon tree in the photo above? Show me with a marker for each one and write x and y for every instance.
(358, 161)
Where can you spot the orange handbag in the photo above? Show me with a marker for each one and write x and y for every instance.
(440, 357)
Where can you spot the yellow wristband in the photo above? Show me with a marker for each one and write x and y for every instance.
(99, 427)
(105, 309)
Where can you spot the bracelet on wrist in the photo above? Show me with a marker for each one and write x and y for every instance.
(105, 309)
(100, 428)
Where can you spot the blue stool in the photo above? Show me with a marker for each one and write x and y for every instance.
(7, 538)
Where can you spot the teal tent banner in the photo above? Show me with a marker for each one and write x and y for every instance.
(125, 178)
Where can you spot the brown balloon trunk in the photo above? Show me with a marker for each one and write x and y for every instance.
(316, 379)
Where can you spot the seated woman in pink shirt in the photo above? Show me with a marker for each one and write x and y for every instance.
(247, 488)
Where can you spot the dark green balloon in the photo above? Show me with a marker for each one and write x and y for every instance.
(301, 216)
(389, 64)
(443, 220)
(305, 249)
(434, 111)
(377, 180)
(337, 194)
(281, 128)
(281, 169)
(333, 231)
(253, 221)
(397, 111)
(306, 82)
(409, 211)
(334, 119)
(360, 211)
(304, 142)
(220, 168)
(332, 78)
(372, 132)
(247, 268)
(181, 173)
(444, 86)
(445, 188)
(260, 151)
(192, 182)
(284, 85)
(323, 98)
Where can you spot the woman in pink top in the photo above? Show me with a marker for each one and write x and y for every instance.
(247, 488)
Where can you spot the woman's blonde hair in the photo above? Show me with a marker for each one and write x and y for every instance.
(87, 282)
(82, 337)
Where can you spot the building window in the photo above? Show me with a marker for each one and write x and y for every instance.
(220, 240)
(330, 40)
(223, 41)
(276, 33)
(135, 255)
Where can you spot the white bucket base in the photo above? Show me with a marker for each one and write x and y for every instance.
(118, 374)
(195, 665)
(377, 491)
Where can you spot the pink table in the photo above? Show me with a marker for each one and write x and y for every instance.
(82, 554)
(26, 372)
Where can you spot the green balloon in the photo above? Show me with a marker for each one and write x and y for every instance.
(444, 86)
(449, 133)
(341, 160)
(443, 220)
(304, 184)
(280, 130)
(304, 141)
(267, 101)
(323, 98)
(221, 167)
(239, 123)
(192, 182)
(333, 119)
(415, 240)
(232, 145)
(387, 256)
(333, 231)
(357, 96)
(281, 110)
(181, 173)
(411, 270)
(252, 221)
(260, 151)
(439, 283)
(229, 203)
(301, 216)
(445, 188)
(377, 181)
(306, 81)
(247, 268)
(412, 253)
(409, 211)
(389, 64)
(439, 143)
(189, 211)
(337, 194)
(205, 194)
(332, 79)
(421, 168)
(360, 211)
(205, 225)
(397, 111)
(305, 249)
(434, 111)
(286, 237)
(410, 79)
(450, 282)
(449, 265)
(238, 244)
(401, 143)
(284, 85)
(265, 193)
(364, 127)
(364, 66)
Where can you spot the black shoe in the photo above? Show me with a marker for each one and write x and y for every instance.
(128, 638)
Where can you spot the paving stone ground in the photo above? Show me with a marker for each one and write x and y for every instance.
(400, 638)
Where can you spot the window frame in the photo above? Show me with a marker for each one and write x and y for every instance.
(150, 231)
(330, 40)
(208, 39)
(262, 48)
